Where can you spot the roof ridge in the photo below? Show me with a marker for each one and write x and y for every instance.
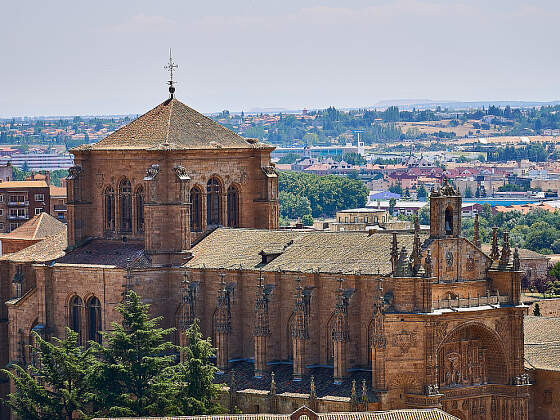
(169, 121)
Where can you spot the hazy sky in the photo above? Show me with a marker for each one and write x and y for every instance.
(107, 57)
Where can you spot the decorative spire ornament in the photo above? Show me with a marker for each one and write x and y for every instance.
(364, 393)
(495, 253)
(272, 384)
(416, 257)
(171, 66)
(476, 236)
(428, 264)
(516, 261)
(354, 395)
(506, 250)
(312, 389)
(394, 254)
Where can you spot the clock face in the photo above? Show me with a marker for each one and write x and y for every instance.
(449, 257)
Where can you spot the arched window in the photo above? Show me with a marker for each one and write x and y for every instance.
(140, 209)
(125, 205)
(75, 316)
(233, 206)
(196, 210)
(109, 209)
(93, 319)
(213, 193)
(448, 221)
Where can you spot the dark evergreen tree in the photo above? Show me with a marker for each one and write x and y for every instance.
(195, 393)
(136, 364)
(57, 385)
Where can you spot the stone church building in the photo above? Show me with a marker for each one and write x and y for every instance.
(185, 212)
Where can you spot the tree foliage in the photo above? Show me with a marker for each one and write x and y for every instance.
(58, 384)
(326, 194)
(135, 373)
(537, 230)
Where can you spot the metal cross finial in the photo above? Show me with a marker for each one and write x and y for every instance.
(171, 66)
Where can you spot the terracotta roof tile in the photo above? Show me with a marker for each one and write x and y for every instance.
(105, 252)
(541, 329)
(46, 250)
(542, 342)
(57, 191)
(172, 125)
(23, 184)
(406, 414)
(39, 227)
(330, 252)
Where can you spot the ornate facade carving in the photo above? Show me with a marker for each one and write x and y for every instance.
(404, 340)
(181, 173)
(151, 172)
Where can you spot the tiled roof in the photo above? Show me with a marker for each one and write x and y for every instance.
(543, 356)
(46, 250)
(39, 227)
(105, 252)
(406, 414)
(523, 253)
(57, 191)
(23, 184)
(542, 342)
(175, 126)
(330, 252)
(541, 329)
(245, 379)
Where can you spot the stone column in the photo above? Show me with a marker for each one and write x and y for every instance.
(379, 343)
(223, 326)
(262, 327)
(341, 335)
(299, 334)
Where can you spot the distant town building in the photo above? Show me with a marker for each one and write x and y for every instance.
(20, 201)
(40, 161)
(6, 172)
(29, 233)
(402, 207)
(58, 202)
(359, 219)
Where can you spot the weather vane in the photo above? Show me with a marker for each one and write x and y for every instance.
(171, 66)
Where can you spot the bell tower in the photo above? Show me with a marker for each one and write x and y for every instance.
(445, 212)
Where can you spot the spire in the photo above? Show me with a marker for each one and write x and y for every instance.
(476, 236)
(506, 250)
(364, 392)
(272, 384)
(403, 266)
(394, 254)
(171, 66)
(340, 296)
(416, 257)
(428, 264)
(495, 254)
(312, 390)
(516, 262)
(354, 394)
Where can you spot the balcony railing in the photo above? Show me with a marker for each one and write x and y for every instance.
(470, 301)
(18, 203)
(18, 217)
(60, 207)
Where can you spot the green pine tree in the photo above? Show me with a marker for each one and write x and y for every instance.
(195, 393)
(58, 384)
(537, 310)
(136, 364)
